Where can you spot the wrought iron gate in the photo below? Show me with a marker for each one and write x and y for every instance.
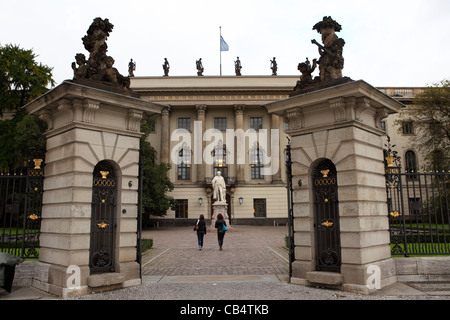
(326, 210)
(21, 208)
(418, 207)
(103, 218)
(290, 203)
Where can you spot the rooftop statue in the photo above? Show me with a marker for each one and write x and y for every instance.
(131, 68)
(274, 66)
(166, 67)
(238, 67)
(99, 66)
(199, 66)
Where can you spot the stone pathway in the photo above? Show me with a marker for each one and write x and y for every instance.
(247, 250)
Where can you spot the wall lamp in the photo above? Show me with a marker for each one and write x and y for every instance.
(200, 200)
(241, 200)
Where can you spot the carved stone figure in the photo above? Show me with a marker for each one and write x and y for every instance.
(131, 68)
(331, 61)
(274, 66)
(306, 73)
(238, 67)
(219, 187)
(81, 71)
(99, 66)
(166, 67)
(199, 67)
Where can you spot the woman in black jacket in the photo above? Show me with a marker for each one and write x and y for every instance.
(201, 231)
(220, 222)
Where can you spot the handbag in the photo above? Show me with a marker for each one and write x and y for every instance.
(196, 226)
(224, 227)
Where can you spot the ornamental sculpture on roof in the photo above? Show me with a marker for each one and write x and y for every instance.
(99, 66)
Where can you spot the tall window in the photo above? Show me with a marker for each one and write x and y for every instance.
(184, 123)
(259, 208)
(256, 163)
(184, 164)
(181, 209)
(407, 127)
(220, 124)
(415, 206)
(410, 164)
(220, 160)
(256, 123)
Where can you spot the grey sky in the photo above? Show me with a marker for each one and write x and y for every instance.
(388, 43)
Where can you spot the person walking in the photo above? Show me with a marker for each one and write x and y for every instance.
(220, 225)
(200, 226)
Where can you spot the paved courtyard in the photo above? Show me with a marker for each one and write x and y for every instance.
(252, 266)
(247, 250)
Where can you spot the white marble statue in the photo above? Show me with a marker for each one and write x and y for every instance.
(219, 187)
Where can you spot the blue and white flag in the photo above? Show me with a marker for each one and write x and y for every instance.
(223, 45)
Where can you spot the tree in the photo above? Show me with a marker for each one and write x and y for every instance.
(156, 182)
(430, 117)
(22, 80)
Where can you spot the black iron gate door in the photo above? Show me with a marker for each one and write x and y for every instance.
(326, 210)
(20, 209)
(103, 224)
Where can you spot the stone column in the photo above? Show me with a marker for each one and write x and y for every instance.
(239, 124)
(275, 124)
(340, 124)
(165, 135)
(87, 126)
(201, 168)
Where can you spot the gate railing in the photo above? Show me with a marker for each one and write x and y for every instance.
(290, 203)
(418, 209)
(20, 209)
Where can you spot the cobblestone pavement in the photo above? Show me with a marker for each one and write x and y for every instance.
(253, 265)
(247, 250)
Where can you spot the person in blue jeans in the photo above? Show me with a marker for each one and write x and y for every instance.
(220, 222)
(201, 231)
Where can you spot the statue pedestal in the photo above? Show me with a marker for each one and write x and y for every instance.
(219, 207)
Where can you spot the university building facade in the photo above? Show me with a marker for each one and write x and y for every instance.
(219, 123)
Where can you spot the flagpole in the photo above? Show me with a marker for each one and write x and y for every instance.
(220, 48)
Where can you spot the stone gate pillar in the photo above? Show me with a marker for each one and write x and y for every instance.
(87, 126)
(341, 125)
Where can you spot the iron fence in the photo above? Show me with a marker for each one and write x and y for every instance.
(418, 208)
(20, 209)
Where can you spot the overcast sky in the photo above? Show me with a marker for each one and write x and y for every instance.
(388, 43)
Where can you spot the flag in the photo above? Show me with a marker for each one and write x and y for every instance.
(223, 45)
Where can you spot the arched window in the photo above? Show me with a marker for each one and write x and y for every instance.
(410, 164)
(184, 164)
(220, 160)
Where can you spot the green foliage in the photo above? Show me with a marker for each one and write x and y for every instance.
(22, 79)
(147, 244)
(156, 182)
